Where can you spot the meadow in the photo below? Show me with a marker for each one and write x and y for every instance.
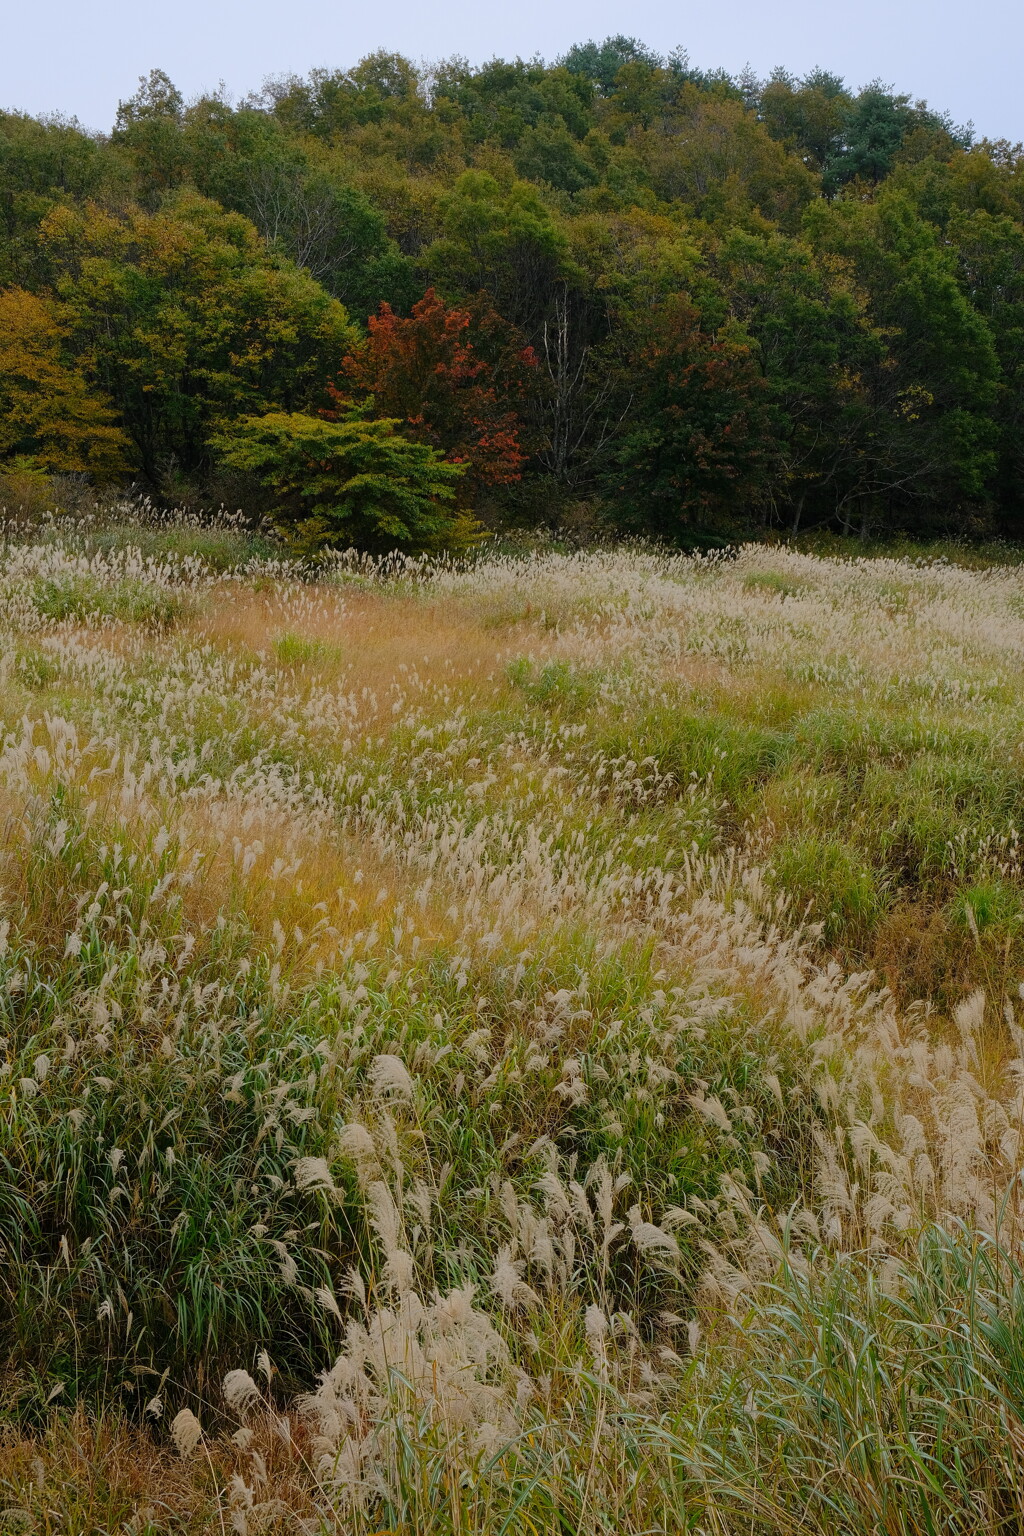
(524, 1045)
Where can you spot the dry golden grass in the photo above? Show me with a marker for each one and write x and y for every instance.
(370, 639)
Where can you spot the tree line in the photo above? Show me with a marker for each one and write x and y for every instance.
(384, 303)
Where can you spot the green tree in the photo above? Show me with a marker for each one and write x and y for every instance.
(382, 88)
(699, 453)
(990, 251)
(808, 116)
(349, 482)
(549, 153)
(43, 165)
(820, 353)
(622, 264)
(298, 200)
(601, 62)
(930, 403)
(713, 156)
(502, 239)
(502, 101)
(147, 131)
(879, 128)
(187, 321)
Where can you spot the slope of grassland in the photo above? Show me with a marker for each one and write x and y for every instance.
(523, 1047)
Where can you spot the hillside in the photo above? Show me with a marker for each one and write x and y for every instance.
(571, 1000)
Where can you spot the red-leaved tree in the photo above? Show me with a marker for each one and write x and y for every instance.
(456, 376)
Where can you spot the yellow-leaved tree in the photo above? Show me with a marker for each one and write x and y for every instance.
(51, 418)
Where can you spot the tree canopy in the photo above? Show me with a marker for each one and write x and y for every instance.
(704, 304)
(348, 481)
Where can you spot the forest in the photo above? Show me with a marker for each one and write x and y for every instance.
(392, 306)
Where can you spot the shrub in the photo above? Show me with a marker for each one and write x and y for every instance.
(349, 482)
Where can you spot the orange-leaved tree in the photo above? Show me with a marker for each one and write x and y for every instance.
(51, 418)
(457, 378)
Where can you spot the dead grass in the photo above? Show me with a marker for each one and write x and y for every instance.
(370, 638)
(102, 1475)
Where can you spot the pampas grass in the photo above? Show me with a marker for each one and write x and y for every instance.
(516, 1045)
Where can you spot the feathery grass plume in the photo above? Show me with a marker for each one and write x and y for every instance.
(314, 1173)
(186, 1432)
(240, 1391)
(389, 1077)
(418, 1370)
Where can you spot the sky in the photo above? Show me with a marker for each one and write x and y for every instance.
(80, 59)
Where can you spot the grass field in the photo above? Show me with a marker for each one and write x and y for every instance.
(531, 1046)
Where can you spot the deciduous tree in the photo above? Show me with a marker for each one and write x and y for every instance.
(51, 418)
(456, 376)
(699, 453)
(188, 321)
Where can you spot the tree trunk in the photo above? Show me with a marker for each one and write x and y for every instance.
(797, 515)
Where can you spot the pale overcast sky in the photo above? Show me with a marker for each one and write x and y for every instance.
(81, 58)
